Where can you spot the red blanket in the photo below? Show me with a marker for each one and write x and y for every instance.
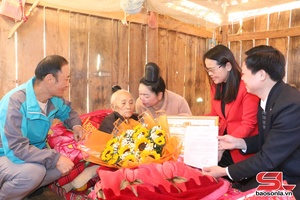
(170, 180)
(62, 140)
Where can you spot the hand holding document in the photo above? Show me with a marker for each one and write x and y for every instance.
(201, 146)
(199, 137)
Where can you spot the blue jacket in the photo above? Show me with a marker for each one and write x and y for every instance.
(24, 127)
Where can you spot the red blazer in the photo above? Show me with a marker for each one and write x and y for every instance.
(241, 117)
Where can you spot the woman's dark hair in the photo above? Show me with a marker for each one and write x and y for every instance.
(49, 65)
(153, 79)
(115, 88)
(223, 55)
(266, 58)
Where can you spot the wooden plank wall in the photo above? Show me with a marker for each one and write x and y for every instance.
(123, 51)
(281, 30)
(7, 58)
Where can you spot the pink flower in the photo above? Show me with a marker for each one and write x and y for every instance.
(171, 171)
(130, 175)
(168, 169)
(131, 180)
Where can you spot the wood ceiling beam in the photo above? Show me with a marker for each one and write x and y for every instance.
(253, 4)
(280, 33)
(140, 18)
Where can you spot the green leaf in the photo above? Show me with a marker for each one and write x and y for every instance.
(178, 179)
(101, 194)
(137, 182)
(134, 191)
(124, 184)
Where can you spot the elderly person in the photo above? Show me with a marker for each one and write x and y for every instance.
(123, 105)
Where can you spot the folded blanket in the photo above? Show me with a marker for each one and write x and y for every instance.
(169, 180)
(62, 140)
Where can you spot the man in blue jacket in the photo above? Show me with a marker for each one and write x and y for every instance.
(277, 145)
(26, 114)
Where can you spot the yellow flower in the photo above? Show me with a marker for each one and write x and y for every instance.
(152, 154)
(137, 127)
(160, 132)
(140, 132)
(107, 153)
(141, 144)
(112, 142)
(130, 158)
(114, 159)
(135, 146)
(124, 149)
(160, 140)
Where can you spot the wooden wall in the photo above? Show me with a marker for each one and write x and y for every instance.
(123, 50)
(280, 30)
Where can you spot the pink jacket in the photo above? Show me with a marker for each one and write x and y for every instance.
(174, 104)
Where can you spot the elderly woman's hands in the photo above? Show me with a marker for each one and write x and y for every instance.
(79, 132)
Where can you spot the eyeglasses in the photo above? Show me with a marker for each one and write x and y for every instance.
(212, 69)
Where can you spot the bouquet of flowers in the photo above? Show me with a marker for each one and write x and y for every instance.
(132, 143)
(135, 145)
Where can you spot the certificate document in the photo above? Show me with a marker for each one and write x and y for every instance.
(178, 125)
(201, 146)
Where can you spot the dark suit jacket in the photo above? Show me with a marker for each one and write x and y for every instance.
(278, 146)
(107, 125)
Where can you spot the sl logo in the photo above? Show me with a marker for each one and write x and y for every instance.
(272, 181)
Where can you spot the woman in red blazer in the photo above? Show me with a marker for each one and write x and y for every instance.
(236, 109)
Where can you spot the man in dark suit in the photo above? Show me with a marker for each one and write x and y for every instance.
(277, 146)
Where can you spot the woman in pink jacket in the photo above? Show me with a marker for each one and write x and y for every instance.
(153, 95)
(236, 109)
